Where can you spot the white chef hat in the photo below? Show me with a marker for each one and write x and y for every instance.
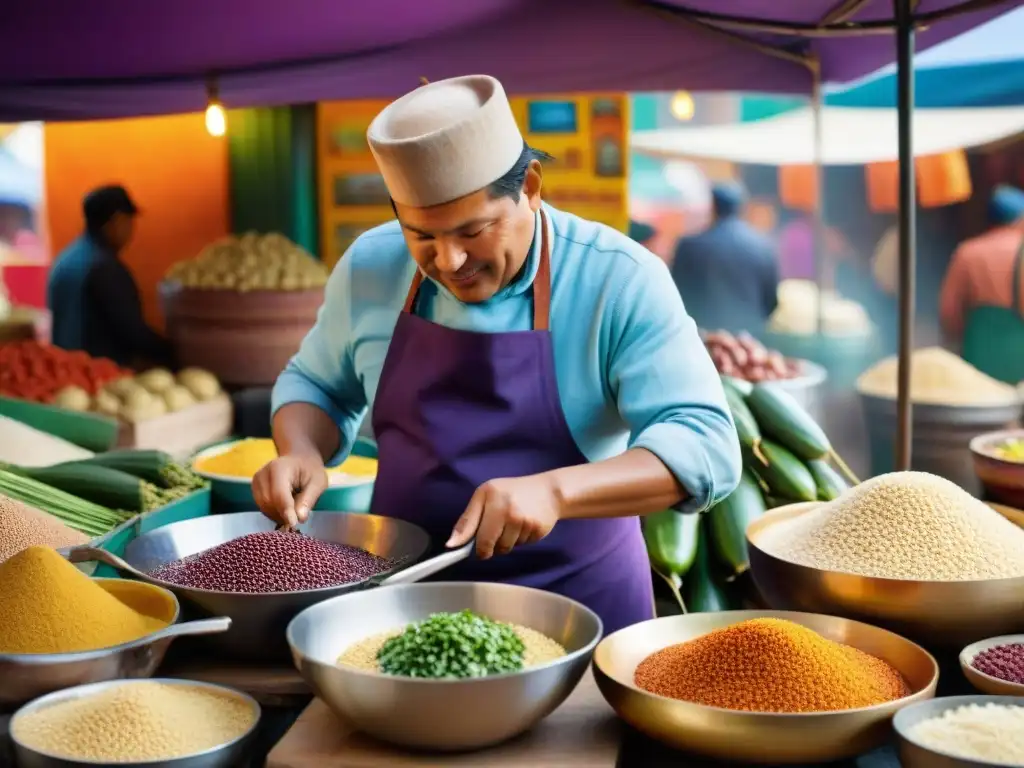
(445, 140)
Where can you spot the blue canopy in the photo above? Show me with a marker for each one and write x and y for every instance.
(980, 68)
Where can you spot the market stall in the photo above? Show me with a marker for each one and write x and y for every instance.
(516, 655)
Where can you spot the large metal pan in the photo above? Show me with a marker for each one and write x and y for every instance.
(259, 620)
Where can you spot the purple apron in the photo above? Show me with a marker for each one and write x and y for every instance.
(455, 409)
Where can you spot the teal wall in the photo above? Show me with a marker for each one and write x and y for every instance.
(272, 172)
(760, 107)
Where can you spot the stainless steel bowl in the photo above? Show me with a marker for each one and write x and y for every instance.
(24, 677)
(444, 715)
(229, 755)
(259, 620)
(754, 737)
(915, 755)
(937, 613)
(987, 683)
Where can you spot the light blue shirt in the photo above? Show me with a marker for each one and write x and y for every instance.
(632, 370)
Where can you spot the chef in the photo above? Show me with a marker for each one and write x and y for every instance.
(532, 377)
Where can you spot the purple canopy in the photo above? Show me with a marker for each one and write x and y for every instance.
(63, 60)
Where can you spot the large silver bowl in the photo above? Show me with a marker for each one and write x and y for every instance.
(259, 620)
(914, 754)
(445, 715)
(937, 613)
(228, 755)
(24, 677)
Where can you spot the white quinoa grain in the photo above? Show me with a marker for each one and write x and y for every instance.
(904, 525)
(990, 733)
(22, 526)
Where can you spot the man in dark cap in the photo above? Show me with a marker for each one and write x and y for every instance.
(728, 275)
(92, 295)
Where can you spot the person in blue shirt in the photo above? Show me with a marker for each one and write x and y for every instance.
(533, 378)
(728, 275)
(92, 297)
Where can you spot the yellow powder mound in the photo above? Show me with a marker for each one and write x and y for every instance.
(49, 606)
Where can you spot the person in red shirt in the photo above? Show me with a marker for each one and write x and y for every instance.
(980, 301)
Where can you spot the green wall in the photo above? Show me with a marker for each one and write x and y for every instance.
(272, 172)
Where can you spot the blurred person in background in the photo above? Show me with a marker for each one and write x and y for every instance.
(981, 295)
(728, 275)
(92, 295)
(642, 233)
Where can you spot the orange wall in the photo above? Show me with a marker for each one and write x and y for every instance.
(176, 172)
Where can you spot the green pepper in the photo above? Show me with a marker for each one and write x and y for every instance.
(671, 539)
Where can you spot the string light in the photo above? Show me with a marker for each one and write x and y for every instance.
(216, 118)
(682, 106)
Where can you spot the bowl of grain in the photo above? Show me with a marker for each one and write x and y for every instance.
(156, 723)
(962, 732)
(996, 665)
(772, 687)
(907, 551)
(484, 695)
(999, 465)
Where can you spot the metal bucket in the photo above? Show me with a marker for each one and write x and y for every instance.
(941, 439)
(843, 357)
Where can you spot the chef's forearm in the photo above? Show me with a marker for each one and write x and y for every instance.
(301, 429)
(634, 483)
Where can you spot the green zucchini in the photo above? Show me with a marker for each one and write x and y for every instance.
(728, 521)
(746, 425)
(149, 465)
(774, 502)
(107, 487)
(742, 386)
(829, 482)
(671, 539)
(703, 592)
(785, 421)
(785, 475)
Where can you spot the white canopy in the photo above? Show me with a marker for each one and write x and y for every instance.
(851, 136)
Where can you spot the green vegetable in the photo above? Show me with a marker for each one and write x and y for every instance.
(671, 539)
(101, 485)
(830, 483)
(742, 386)
(705, 594)
(453, 645)
(728, 521)
(785, 421)
(775, 501)
(746, 426)
(785, 475)
(153, 466)
(91, 519)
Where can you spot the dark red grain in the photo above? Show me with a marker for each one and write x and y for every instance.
(1005, 662)
(274, 561)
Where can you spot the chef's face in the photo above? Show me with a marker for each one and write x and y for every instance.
(476, 245)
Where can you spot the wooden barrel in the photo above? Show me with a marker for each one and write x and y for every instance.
(941, 439)
(245, 339)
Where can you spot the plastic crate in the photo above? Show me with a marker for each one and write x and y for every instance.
(194, 505)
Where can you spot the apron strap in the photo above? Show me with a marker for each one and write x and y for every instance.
(1018, 267)
(541, 283)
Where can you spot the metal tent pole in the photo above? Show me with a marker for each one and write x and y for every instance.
(904, 11)
(821, 267)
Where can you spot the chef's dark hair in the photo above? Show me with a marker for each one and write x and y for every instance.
(511, 184)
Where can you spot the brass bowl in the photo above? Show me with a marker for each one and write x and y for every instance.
(753, 737)
(938, 613)
(1003, 480)
(913, 754)
(984, 682)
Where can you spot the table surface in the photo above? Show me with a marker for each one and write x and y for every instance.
(582, 732)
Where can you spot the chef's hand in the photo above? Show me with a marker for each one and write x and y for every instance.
(288, 487)
(507, 512)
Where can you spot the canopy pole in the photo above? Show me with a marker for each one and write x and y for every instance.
(821, 267)
(904, 13)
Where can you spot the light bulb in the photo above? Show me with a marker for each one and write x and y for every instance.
(682, 106)
(216, 120)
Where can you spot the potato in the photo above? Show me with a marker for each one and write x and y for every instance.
(122, 387)
(73, 399)
(143, 409)
(156, 380)
(178, 398)
(202, 384)
(106, 403)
